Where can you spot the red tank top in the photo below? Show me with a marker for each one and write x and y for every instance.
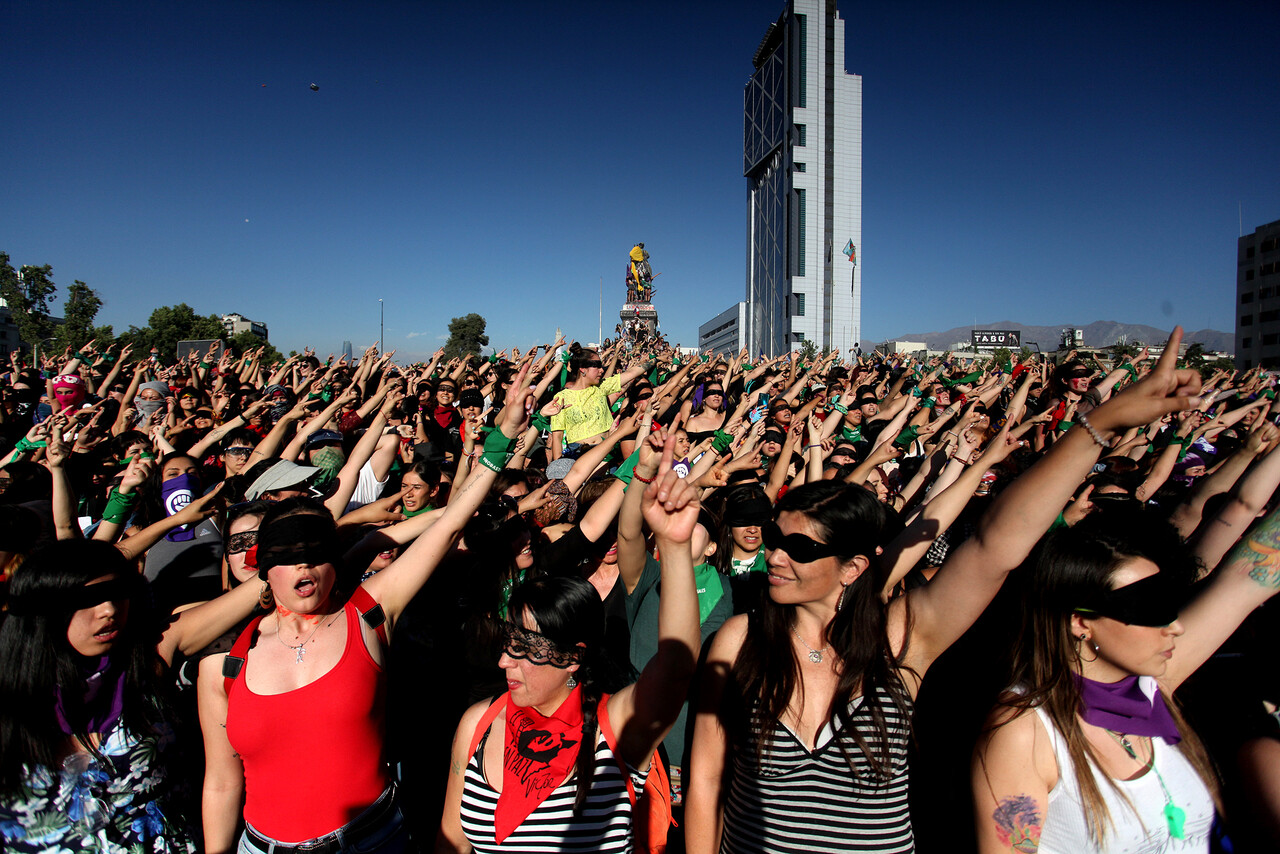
(312, 756)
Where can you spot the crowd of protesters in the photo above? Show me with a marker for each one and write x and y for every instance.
(631, 598)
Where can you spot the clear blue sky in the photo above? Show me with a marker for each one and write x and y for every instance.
(1040, 164)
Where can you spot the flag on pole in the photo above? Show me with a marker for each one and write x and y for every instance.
(851, 252)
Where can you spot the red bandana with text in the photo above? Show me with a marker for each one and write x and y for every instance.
(538, 755)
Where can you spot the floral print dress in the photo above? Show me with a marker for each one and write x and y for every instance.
(95, 805)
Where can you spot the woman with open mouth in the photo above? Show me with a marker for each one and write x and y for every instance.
(309, 677)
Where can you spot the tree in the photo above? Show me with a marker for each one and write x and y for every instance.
(1122, 349)
(1195, 355)
(170, 324)
(28, 293)
(78, 313)
(1219, 364)
(242, 342)
(808, 350)
(466, 336)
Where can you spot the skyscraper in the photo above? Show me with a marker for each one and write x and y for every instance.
(802, 158)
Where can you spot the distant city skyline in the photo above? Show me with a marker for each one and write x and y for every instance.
(1048, 165)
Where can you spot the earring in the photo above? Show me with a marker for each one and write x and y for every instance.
(265, 598)
(1085, 639)
(840, 601)
(572, 683)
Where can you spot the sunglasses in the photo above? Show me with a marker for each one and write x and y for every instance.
(446, 389)
(238, 452)
(797, 546)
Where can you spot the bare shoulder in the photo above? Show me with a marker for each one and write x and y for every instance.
(471, 719)
(729, 639)
(1016, 738)
(1013, 724)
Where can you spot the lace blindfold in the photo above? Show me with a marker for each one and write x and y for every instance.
(537, 648)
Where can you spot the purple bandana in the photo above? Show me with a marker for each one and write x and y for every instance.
(103, 698)
(1126, 708)
(176, 493)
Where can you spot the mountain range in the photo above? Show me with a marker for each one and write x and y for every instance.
(1100, 333)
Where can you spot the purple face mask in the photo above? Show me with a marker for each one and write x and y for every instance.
(176, 493)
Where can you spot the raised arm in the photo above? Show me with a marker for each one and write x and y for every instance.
(632, 553)
(642, 714)
(1248, 577)
(943, 609)
(349, 475)
(1219, 534)
(906, 549)
(396, 585)
(1187, 515)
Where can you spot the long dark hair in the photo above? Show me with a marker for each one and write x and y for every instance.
(1071, 566)
(569, 612)
(851, 519)
(36, 657)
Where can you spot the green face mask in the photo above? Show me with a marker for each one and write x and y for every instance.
(329, 460)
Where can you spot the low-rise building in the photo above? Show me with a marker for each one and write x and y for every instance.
(237, 323)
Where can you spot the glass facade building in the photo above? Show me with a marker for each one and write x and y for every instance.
(802, 158)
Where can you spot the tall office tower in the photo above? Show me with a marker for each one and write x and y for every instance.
(802, 157)
(1258, 298)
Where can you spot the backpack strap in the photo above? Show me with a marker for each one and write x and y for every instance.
(606, 728)
(486, 721)
(234, 662)
(656, 817)
(370, 611)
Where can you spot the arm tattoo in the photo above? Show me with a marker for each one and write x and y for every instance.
(1018, 823)
(456, 767)
(1262, 550)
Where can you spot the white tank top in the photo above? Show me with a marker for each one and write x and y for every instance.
(1140, 830)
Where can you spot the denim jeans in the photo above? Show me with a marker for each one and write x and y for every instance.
(388, 837)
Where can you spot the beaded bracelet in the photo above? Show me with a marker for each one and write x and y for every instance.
(635, 476)
(1093, 434)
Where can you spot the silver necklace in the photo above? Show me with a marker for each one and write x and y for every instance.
(301, 649)
(815, 655)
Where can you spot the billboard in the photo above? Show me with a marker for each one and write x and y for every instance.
(990, 339)
(200, 346)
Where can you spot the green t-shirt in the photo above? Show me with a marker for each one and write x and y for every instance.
(642, 619)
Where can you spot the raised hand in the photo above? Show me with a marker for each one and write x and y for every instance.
(670, 504)
(1166, 389)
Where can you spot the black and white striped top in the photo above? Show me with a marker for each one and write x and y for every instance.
(604, 824)
(802, 801)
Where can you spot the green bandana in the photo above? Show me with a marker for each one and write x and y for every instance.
(710, 589)
(854, 435)
(409, 514)
(751, 564)
(329, 461)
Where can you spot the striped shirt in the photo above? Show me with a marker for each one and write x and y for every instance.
(799, 800)
(604, 824)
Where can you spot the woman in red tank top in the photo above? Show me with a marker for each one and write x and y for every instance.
(295, 728)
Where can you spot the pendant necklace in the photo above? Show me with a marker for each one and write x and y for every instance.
(301, 649)
(815, 655)
(1175, 817)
